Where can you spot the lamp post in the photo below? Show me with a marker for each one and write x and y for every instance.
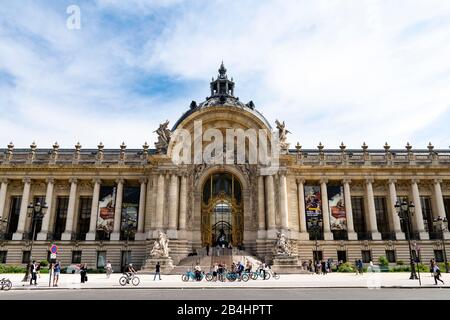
(128, 225)
(404, 210)
(441, 224)
(36, 212)
(315, 228)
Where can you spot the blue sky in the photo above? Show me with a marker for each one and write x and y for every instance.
(350, 71)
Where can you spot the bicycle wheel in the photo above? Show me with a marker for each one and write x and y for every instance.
(232, 277)
(267, 276)
(254, 275)
(135, 281)
(245, 277)
(123, 280)
(185, 277)
(209, 277)
(276, 276)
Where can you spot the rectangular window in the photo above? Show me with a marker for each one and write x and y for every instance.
(84, 217)
(342, 255)
(62, 203)
(36, 224)
(425, 203)
(439, 255)
(366, 256)
(26, 256)
(447, 207)
(76, 256)
(3, 255)
(390, 256)
(359, 220)
(130, 210)
(382, 215)
(403, 223)
(14, 215)
(101, 259)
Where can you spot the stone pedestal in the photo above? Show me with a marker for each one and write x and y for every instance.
(286, 264)
(165, 263)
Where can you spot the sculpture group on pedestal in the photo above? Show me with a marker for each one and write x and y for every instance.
(160, 246)
(283, 245)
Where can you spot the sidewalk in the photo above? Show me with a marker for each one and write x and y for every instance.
(333, 280)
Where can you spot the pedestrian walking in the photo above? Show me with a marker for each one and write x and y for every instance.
(432, 263)
(33, 271)
(109, 269)
(56, 273)
(324, 267)
(437, 274)
(83, 272)
(360, 267)
(157, 271)
(356, 268)
(38, 269)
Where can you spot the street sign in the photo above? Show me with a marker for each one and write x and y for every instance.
(53, 256)
(54, 249)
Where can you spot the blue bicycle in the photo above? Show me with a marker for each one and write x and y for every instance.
(190, 275)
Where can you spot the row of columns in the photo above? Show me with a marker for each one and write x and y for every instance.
(69, 228)
(266, 207)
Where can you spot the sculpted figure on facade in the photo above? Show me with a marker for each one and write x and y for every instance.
(160, 246)
(164, 135)
(282, 135)
(283, 245)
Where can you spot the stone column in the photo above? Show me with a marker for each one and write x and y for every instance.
(261, 208)
(183, 204)
(348, 210)
(418, 216)
(440, 203)
(304, 235)
(3, 188)
(115, 235)
(284, 211)
(373, 228)
(18, 235)
(94, 210)
(399, 234)
(270, 202)
(48, 201)
(173, 206)
(327, 234)
(140, 234)
(67, 235)
(160, 203)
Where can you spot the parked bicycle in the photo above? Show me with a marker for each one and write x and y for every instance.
(127, 278)
(5, 284)
(190, 275)
(275, 275)
(260, 274)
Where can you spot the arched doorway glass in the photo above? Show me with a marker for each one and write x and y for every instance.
(222, 215)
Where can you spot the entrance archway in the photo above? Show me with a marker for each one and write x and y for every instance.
(222, 218)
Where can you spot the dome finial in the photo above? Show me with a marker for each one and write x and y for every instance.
(222, 71)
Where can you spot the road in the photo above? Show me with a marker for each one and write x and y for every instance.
(232, 294)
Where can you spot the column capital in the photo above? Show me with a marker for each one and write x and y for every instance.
(120, 180)
(415, 181)
(394, 181)
(300, 181)
(347, 180)
(436, 181)
(323, 180)
(96, 180)
(73, 180)
(26, 180)
(50, 180)
(4, 180)
(143, 180)
(369, 180)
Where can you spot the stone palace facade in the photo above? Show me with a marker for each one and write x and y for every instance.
(109, 204)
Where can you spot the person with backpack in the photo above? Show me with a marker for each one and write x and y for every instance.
(437, 274)
(56, 273)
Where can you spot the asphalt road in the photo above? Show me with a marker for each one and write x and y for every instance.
(232, 294)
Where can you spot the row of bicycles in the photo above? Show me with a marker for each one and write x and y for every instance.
(5, 284)
(230, 276)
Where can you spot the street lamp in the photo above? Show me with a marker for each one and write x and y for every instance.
(404, 210)
(441, 224)
(316, 228)
(36, 212)
(128, 227)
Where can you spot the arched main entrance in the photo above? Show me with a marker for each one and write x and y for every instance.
(222, 218)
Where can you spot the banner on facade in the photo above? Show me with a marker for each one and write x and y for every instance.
(313, 205)
(130, 207)
(106, 207)
(338, 218)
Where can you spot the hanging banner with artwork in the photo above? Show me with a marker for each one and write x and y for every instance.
(313, 205)
(106, 207)
(338, 218)
(130, 208)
